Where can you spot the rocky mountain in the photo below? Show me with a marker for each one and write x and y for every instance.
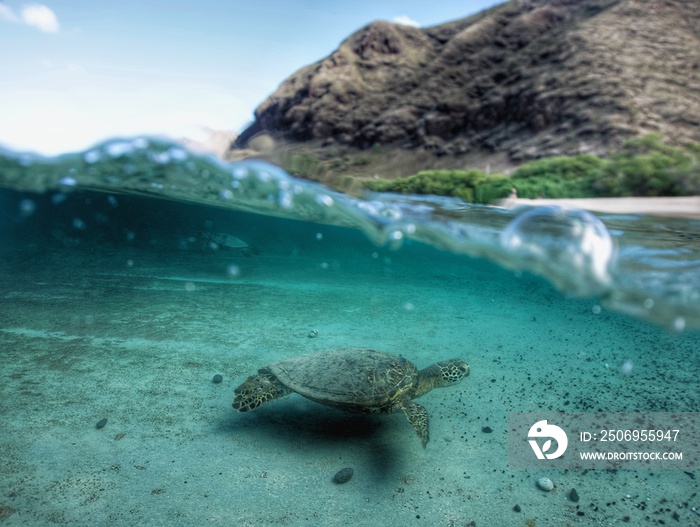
(525, 79)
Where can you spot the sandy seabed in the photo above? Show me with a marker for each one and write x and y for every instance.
(135, 335)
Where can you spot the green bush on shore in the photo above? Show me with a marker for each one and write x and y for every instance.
(303, 165)
(644, 167)
(464, 184)
(551, 177)
(647, 167)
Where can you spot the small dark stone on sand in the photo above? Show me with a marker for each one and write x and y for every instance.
(343, 475)
(573, 495)
(218, 378)
(487, 429)
(517, 508)
(101, 423)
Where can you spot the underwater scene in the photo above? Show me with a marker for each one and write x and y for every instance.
(179, 338)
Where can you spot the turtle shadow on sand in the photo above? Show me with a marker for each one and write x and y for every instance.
(298, 426)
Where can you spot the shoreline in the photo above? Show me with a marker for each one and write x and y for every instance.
(679, 207)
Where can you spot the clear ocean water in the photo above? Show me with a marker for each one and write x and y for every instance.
(134, 272)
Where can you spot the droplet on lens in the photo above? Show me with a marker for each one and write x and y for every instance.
(571, 247)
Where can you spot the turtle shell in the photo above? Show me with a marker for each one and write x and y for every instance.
(354, 379)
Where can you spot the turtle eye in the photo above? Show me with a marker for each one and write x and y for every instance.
(459, 371)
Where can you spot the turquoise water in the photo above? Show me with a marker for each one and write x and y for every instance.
(117, 302)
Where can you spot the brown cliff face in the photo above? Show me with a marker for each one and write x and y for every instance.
(525, 79)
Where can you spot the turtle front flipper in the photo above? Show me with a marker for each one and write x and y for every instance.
(419, 419)
(257, 390)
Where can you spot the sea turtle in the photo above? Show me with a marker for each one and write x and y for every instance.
(221, 240)
(356, 379)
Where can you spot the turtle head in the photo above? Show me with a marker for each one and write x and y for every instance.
(440, 375)
(451, 372)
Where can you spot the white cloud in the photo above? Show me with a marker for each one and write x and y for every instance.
(41, 17)
(36, 15)
(405, 20)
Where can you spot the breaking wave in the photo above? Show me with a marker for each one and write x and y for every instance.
(645, 266)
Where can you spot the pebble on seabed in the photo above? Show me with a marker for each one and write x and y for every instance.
(343, 475)
(545, 484)
(217, 378)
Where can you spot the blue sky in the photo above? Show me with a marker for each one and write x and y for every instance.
(75, 72)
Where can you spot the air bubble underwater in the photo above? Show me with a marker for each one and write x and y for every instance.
(627, 367)
(27, 207)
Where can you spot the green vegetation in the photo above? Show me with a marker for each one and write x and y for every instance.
(647, 167)
(466, 184)
(644, 167)
(303, 165)
(551, 177)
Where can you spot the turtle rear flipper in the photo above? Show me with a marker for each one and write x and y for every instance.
(257, 390)
(419, 419)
